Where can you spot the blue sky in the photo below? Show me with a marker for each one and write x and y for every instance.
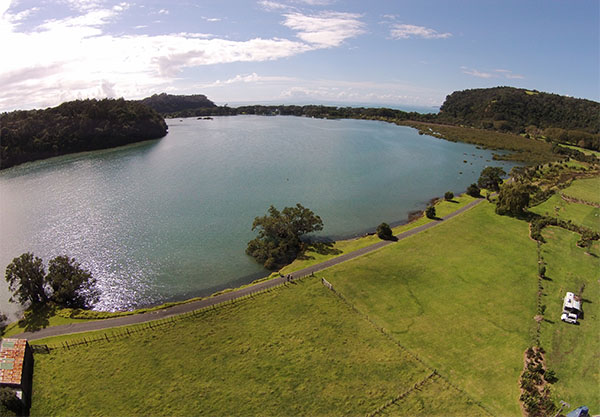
(396, 53)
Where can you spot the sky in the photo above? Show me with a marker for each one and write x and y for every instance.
(379, 52)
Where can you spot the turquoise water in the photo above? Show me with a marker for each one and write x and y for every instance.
(170, 219)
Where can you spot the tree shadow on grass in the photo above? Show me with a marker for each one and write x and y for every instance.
(36, 317)
(547, 278)
(324, 248)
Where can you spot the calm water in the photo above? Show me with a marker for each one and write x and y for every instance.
(169, 219)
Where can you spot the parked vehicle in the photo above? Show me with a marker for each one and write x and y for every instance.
(571, 308)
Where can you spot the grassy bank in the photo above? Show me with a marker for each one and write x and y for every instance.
(573, 352)
(298, 350)
(580, 214)
(587, 189)
(341, 247)
(461, 295)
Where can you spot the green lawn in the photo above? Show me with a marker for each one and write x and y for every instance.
(461, 296)
(587, 189)
(443, 208)
(298, 350)
(580, 214)
(573, 352)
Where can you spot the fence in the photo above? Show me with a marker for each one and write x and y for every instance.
(129, 330)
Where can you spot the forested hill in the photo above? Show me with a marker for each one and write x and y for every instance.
(170, 104)
(509, 109)
(75, 126)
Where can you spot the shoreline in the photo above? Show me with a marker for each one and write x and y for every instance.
(83, 316)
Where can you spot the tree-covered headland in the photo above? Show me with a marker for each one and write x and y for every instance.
(75, 126)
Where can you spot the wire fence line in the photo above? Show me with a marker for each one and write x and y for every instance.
(394, 400)
(402, 347)
(117, 333)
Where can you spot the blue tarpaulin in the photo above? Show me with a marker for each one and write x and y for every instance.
(580, 412)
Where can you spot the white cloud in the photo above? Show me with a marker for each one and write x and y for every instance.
(476, 73)
(74, 57)
(326, 29)
(163, 11)
(509, 74)
(273, 5)
(250, 78)
(401, 31)
(497, 73)
(317, 2)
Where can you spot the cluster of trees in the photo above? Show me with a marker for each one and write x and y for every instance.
(317, 111)
(172, 104)
(65, 284)
(75, 126)
(536, 395)
(573, 137)
(517, 110)
(280, 234)
(574, 153)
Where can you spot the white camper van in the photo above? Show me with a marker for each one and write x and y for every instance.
(571, 308)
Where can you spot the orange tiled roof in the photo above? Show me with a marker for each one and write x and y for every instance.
(12, 355)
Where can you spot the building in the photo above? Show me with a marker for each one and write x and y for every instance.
(16, 368)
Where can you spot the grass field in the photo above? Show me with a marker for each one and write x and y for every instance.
(587, 189)
(461, 296)
(580, 214)
(435, 397)
(443, 208)
(573, 352)
(298, 350)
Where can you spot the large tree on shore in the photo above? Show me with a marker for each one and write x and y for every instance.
(26, 280)
(72, 286)
(491, 178)
(279, 235)
(513, 198)
(66, 284)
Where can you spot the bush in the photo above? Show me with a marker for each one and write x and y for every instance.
(449, 195)
(430, 212)
(474, 191)
(10, 405)
(384, 231)
(550, 376)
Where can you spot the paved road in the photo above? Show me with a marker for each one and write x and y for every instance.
(207, 302)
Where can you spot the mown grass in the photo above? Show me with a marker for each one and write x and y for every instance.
(312, 257)
(297, 350)
(573, 351)
(460, 295)
(580, 214)
(587, 189)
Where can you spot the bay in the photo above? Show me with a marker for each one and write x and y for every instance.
(169, 219)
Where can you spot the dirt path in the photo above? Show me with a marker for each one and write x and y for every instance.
(207, 302)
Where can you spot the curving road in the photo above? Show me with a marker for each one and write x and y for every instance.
(207, 302)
